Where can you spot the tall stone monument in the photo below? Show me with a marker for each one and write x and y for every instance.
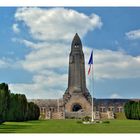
(77, 96)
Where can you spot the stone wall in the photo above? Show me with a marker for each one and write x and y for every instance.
(103, 108)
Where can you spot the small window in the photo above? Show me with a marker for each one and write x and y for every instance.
(118, 109)
(121, 110)
(76, 46)
(103, 109)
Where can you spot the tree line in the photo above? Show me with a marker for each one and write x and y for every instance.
(14, 107)
(132, 110)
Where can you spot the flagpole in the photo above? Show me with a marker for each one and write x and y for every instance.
(92, 90)
(91, 84)
(58, 105)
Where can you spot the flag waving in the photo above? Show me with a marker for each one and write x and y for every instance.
(90, 62)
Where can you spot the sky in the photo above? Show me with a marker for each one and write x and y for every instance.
(35, 44)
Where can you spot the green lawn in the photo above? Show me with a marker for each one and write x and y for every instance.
(70, 126)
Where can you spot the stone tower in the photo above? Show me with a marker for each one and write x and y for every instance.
(77, 96)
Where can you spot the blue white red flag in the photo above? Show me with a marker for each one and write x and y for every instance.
(90, 62)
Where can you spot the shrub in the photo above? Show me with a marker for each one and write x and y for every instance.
(106, 121)
(120, 116)
(86, 119)
(79, 121)
(1, 121)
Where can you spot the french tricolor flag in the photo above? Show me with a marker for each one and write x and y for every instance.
(90, 62)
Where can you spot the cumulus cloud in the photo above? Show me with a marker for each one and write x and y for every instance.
(53, 29)
(15, 28)
(133, 35)
(57, 23)
(42, 86)
(115, 95)
(48, 57)
(110, 64)
(116, 64)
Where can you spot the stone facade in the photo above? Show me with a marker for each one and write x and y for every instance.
(103, 108)
(50, 108)
(114, 105)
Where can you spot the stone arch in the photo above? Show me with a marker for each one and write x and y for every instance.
(76, 107)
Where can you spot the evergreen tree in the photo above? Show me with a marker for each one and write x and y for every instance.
(14, 107)
(4, 101)
(18, 107)
(132, 110)
(33, 111)
(138, 110)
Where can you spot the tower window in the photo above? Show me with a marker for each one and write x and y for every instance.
(76, 46)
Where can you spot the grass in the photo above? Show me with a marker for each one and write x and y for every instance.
(70, 126)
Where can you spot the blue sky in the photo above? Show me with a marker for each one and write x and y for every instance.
(35, 44)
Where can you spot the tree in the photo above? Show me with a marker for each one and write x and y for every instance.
(132, 110)
(14, 107)
(127, 110)
(22, 102)
(18, 107)
(4, 101)
(136, 110)
(33, 111)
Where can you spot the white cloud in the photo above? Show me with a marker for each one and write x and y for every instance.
(42, 87)
(116, 64)
(57, 23)
(46, 85)
(115, 95)
(110, 64)
(51, 73)
(15, 28)
(48, 59)
(8, 63)
(132, 35)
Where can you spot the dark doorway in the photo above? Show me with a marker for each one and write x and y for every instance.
(76, 108)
